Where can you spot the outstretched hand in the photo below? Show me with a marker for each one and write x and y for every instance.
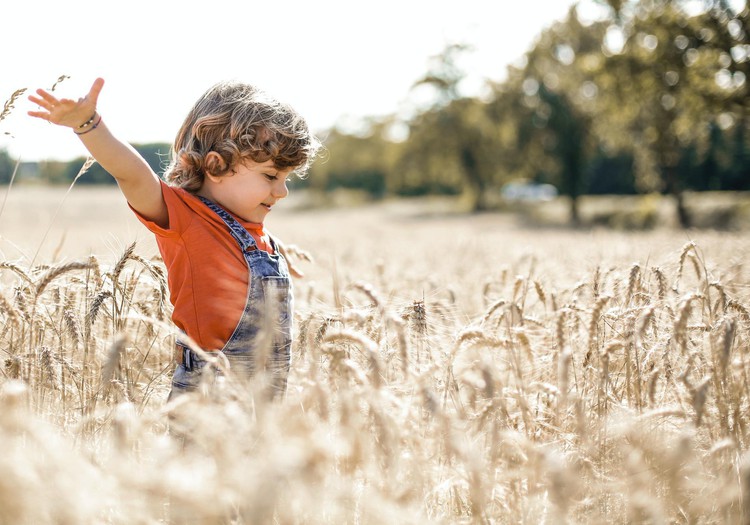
(64, 111)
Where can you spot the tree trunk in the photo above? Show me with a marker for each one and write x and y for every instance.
(474, 177)
(682, 213)
(674, 189)
(575, 217)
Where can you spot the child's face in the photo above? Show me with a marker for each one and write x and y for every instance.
(250, 191)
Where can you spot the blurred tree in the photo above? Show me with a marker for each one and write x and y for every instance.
(95, 174)
(610, 174)
(738, 176)
(7, 165)
(54, 171)
(554, 106)
(725, 44)
(652, 98)
(361, 160)
(453, 143)
(569, 129)
(155, 154)
(662, 87)
(708, 170)
(451, 149)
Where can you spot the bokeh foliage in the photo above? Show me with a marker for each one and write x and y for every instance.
(650, 98)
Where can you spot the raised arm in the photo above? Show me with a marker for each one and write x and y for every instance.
(136, 179)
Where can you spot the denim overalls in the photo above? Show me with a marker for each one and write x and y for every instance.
(263, 336)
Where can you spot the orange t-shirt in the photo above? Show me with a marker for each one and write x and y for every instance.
(207, 274)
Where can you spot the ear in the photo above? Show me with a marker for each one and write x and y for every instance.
(214, 166)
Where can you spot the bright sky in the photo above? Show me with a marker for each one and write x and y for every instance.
(333, 60)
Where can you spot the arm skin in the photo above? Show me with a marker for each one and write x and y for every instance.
(137, 181)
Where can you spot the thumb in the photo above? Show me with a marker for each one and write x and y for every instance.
(96, 88)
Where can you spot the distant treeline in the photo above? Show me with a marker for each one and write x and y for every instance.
(653, 97)
(63, 172)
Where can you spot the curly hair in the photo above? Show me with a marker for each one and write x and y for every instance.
(239, 122)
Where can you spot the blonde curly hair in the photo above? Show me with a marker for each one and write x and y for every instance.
(239, 122)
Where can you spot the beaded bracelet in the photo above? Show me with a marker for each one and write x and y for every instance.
(92, 128)
(89, 121)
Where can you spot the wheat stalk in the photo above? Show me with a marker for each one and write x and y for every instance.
(17, 270)
(633, 278)
(10, 311)
(56, 272)
(123, 259)
(367, 434)
(662, 282)
(112, 362)
(96, 305)
(9, 104)
(681, 323)
(596, 315)
(60, 79)
(367, 345)
(686, 249)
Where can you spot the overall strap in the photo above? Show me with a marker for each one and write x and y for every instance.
(240, 234)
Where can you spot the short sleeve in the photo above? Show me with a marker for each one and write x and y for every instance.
(177, 209)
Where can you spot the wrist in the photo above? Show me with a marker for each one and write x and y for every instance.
(89, 122)
(90, 125)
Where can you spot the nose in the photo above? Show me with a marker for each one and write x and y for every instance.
(280, 189)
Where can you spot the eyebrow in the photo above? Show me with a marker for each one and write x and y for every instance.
(268, 169)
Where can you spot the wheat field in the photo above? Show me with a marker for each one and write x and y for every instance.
(447, 368)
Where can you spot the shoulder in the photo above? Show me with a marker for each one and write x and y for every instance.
(181, 207)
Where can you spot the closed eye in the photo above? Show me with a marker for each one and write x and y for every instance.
(271, 177)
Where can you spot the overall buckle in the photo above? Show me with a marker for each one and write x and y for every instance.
(187, 358)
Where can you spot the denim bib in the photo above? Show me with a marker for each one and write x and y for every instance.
(262, 338)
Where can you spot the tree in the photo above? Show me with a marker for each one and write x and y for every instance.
(359, 160)
(453, 143)
(662, 89)
(7, 165)
(55, 171)
(552, 106)
(155, 154)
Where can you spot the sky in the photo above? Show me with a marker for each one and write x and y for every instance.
(335, 61)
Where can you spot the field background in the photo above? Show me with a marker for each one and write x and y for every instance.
(449, 368)
(411, 248)
(55, 226)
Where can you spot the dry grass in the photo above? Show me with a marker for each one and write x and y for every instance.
(446, 370)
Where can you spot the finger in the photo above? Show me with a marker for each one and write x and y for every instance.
(39, 102)
(96, 88)
(39, 114)
(46, 96)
